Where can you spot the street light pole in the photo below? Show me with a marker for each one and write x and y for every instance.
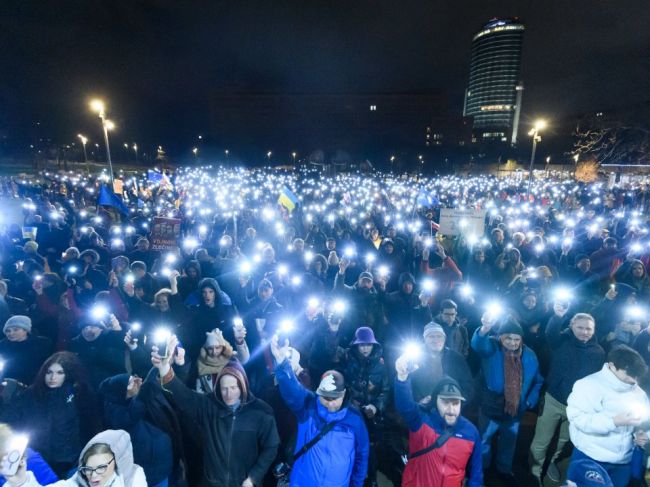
(135, 149)
(534, 133)
(98, 106)
(83, 143)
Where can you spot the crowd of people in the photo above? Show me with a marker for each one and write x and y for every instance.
(289, 328)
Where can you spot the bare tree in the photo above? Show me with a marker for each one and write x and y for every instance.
(616, 143)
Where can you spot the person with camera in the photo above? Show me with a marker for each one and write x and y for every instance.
(443, 445)
(332, 445)
(239, 431)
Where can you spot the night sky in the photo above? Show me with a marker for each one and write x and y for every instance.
(157, 61)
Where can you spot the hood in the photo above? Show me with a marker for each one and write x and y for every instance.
(119, 442)
(211, 283)
(234, 368)
(115, 387)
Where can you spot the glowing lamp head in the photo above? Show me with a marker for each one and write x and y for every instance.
(97, 106)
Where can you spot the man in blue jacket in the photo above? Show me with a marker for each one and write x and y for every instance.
(512, 385)
(340, 458)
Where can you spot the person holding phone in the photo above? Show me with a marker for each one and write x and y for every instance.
(105, 461)
(240, 437)
(14, 451)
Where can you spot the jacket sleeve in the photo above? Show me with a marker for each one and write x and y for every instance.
(476, 465)
(582, 414)
(483, 344)
(269, 442)
(406, 405)
(361, 455)
(36, 463)
(339, 283)
(292, 392)
(536, 387)
(554, 330)
(188, 403)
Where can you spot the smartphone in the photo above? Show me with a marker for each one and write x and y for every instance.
(16, 450)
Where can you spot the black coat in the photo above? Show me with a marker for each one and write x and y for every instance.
(60, 421)
(152, 448)
(23, 359)
(103, 357)
(236, 445)
(570, 359)
(366, 379)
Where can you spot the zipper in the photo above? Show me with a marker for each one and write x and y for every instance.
(232, 429)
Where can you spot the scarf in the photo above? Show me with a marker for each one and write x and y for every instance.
(209, 365)
(513, 375)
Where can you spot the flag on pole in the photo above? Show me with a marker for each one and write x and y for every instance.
(108, 198)
(287, 199)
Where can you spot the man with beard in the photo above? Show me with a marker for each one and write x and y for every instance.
(441, 442)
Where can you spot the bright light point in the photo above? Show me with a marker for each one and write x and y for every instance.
(540, 124)
(97, 106)
(494, 309)
(286, 326)
(466, 290)
(338, 306)
(283, 270)
(563, 294)
(245, 267)
(161, 335)
(370, 257)
(313, 303)
(136, 327)
(170, 259)
(109, 125)
(383, 270)
(412, 351)
(428, 285)
(99, 312)
(296, 280)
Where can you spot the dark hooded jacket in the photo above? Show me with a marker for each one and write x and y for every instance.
(206, 318)
(366, 378)
(152, 447)
(238, 443)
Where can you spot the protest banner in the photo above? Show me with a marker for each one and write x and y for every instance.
(456, 221)
(165, 233)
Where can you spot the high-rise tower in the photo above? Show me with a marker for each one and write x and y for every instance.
(494, 91)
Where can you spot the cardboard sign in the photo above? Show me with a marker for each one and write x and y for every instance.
(454, 221)
(165, 233)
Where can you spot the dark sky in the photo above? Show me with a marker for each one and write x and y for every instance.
(157, 61)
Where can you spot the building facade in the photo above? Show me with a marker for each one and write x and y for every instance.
(494, 92)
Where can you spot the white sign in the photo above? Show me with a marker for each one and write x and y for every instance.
(454, 221)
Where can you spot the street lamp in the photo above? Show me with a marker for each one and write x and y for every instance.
(268, 155)
(84, 140)
(195, 151)
(294, 154)
(99, 107)
(135, 149)
(534, 133)
(227, 153)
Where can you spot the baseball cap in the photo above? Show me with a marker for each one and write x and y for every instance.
(332, 385)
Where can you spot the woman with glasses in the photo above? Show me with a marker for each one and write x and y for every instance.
(106, 461)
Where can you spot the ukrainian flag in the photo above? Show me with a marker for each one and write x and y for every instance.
(287, 199)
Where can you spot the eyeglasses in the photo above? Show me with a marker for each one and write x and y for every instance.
(99, 470)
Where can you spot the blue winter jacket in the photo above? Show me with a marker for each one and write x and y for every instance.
(489, 349)
(340, 458)
(39, 467)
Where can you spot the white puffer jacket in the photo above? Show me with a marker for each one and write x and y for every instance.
(591, 408)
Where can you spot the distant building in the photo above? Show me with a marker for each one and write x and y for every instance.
(494, 92)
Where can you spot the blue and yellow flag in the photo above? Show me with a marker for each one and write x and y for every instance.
(287, 199)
